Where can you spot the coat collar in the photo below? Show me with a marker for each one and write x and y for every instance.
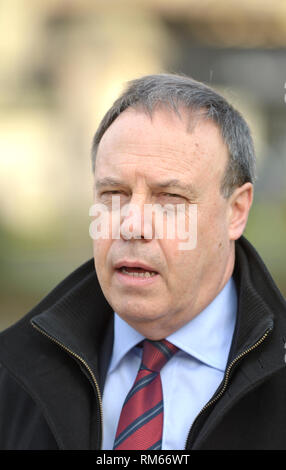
(78, 319)
(259, 337)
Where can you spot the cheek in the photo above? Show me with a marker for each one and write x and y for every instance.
(213, 240)
(181, 264)
(212, 234)
(100, 253)
(212, 224)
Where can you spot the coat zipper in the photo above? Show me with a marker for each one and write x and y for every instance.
(82, 361)
(225, 383)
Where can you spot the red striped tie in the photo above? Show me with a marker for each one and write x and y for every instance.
(141, 421)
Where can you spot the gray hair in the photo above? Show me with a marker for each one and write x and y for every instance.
(177, 91)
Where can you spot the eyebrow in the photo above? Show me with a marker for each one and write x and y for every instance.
(177, 184)
(107, 181)
(171, 183)
(174, 183)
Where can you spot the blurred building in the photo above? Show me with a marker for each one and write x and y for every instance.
(63, 63)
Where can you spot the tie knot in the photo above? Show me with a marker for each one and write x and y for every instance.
(156, 354)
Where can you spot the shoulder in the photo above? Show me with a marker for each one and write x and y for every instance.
(22, 425)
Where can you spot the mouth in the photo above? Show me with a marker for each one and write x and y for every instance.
(136, 270)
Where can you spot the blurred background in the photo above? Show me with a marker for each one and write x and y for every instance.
(62, 64)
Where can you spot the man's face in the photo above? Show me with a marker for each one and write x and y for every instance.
(140, 155)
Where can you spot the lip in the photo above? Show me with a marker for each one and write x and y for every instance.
(132, 281)
(134, 264)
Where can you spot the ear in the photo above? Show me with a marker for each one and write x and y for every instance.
(239, 204)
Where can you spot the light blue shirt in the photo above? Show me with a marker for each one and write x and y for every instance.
(189, 378)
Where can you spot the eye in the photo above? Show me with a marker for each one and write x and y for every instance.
(112, 192)
(172, 196)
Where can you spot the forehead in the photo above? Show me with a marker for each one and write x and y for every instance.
(165, 143)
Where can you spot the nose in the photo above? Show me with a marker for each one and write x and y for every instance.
(136, 219)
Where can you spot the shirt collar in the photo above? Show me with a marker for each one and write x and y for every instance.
(125, 338)
(207, 337)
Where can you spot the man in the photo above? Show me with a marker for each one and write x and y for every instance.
(159, 346)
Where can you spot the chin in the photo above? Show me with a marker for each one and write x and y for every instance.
(136, 313)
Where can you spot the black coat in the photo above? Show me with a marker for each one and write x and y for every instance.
(54, 363)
